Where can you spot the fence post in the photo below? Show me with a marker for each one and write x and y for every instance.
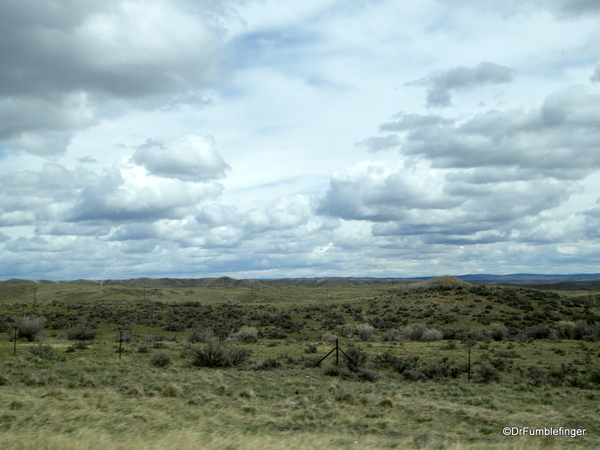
(469, 365)
(15, 343)
(120, 342)
(337, 353)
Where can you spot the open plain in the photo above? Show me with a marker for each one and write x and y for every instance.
(229, 364)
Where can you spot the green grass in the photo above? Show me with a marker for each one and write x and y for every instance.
(90, 395)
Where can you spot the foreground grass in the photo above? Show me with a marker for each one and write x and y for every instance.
(89, 398)
(128, 405)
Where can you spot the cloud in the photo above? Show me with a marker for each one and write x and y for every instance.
(571, 8)
(66, 65)
(441, 84)
(190, 158)
(412, 121)
(28, 197)
(595, 78)
(490, 178)
(376, 144)
(560, 139)
(130, 196)
(380, 191)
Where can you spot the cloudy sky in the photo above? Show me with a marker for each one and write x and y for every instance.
(282, 138)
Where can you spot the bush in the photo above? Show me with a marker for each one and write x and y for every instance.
(247, 335)
(498, 332)
(488, 373)
(204, 335)
(431, 335)
(29, 327)
(414, 331)
(310, 348)
(160, 360)
(367, 375)
(83, 331)
(355, 358)
(268, 364)
(364, 331)
(396, 363)
(218, 355)
(541, 332)
(43, 351)
(565, 329)
(392, 335)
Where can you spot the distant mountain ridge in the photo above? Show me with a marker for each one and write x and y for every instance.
(519, 278)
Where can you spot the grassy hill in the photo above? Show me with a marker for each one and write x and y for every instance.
(440, 363)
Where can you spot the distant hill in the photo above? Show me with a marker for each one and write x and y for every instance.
(530, 279)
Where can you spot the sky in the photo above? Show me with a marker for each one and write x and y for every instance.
(278, 138)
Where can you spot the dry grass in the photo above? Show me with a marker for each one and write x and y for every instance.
(88, 398)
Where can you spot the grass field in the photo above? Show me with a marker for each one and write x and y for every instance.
(534, 362)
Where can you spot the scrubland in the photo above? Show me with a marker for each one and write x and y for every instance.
(122, 367)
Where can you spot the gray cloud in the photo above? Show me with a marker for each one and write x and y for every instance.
(489, 179)
(560, 139)
(412, 121)
(67, 64)
(376, 144)
(441, 84)
(190, 158)
(28, 197)
(572, 8)
(595, 78)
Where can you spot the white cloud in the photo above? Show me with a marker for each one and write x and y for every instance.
(190, 158)
(185, 138)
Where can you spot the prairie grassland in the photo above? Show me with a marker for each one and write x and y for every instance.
(72, 395)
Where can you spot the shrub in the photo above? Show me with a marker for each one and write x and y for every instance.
(367, 375)
(431, 335)
(338, 371)
(247, 335)
(201, 334)
(172, 390)
(488, 373)
(541, 332)
(450, 345)
(160, 360)
(355, 358)
(397, 363)
(83, 331)
(43, 351)
(414, 375)
(80, 345)
(310, 348)
(364, 331)
(586, 332)
(498, 332)
(218, 355)
(414, 331)
(565, 329)
(595, 376)
(268, 364)
(29, 327)
(392, 335)
(347, 331)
